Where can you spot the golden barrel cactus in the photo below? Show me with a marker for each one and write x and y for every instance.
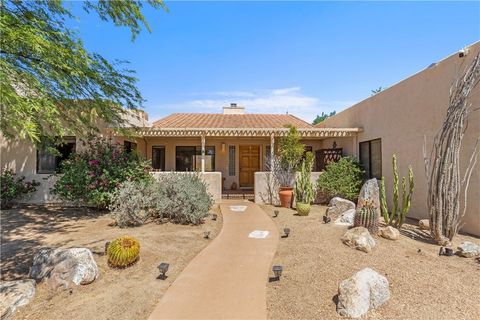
(123, 252)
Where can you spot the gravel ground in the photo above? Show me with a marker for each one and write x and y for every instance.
(130, 293)
(423, 285)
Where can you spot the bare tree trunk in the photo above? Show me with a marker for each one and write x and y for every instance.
(444, 179)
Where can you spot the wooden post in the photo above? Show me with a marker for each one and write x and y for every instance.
(272, 151)
(203, 153)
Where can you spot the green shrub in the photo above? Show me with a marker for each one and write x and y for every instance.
(14, 187)
(177, 197)
(304, 190)
(91, 176)
(341, 179)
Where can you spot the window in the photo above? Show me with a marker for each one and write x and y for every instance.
(48, 162)
(158, 158)
(190, 158)
(129, 146)
(231, 160)
(371, 158)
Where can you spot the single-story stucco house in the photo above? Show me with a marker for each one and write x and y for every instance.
(231, 149)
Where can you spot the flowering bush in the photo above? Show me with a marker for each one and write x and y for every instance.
(177, 197)
(14, 187)
(91, 176)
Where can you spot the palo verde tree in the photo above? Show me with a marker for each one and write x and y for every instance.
(50, 85)
(447, 187)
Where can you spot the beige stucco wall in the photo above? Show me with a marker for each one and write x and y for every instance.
(403, 115)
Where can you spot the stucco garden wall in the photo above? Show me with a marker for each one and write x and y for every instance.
(407, 113)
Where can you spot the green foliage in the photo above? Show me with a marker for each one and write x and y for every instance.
(367, 217)
(49, 83)
(304, 189)
(92, 175)
(177, 197)
(291, 149)
(123, 252)
(375, 91)
(322, 117)
(14, 187)
(343, 179)
(397, 216)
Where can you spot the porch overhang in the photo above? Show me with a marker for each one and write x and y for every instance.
(247, 132)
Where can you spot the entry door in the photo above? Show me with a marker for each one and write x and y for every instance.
(249, 164)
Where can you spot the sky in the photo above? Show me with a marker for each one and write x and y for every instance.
(303, 58)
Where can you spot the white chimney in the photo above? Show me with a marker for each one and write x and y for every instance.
(233, 109)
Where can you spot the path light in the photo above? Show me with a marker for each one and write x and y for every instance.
(206, 234)
(286, 231)
(106, 246)
(326, 219)
(214, 217)
(277, 270)
(163, 267)
(275, 213)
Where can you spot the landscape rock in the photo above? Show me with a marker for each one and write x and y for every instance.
(359, 238)
(468, 249)
(364, 290)
(371, 192)
(390, 233)
(338, 206)
(424, 224)
(61, 267)
(14, 294)
(346, 218)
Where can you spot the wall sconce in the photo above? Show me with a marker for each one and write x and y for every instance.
(334, 144)
(223, 146)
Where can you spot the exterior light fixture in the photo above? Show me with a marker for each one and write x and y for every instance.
(206, 234)
(223, 146)
(277, 270)
(334, 144)
(275, 213)
(326, 219)
(106, 246)
(286, 231)
(163, 267)
(214, 217)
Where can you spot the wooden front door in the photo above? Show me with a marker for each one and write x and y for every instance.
(249, 164)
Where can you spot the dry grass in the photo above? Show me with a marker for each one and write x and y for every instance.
(423, 285)
(131, 293)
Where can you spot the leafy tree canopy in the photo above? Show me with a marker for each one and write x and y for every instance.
(322, 117)
(50, 85)
(378, 90)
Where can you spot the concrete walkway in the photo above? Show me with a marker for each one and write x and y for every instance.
(227, 280)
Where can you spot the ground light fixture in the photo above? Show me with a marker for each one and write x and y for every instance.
(163, 267)
(206, 234)
(286, 231)
(277, 271)
(275, 213)
(214, 217)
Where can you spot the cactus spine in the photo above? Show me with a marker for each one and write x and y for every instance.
(123, 252)
(367, 217)
(397, 215)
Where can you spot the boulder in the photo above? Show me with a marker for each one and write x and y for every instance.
(371, 192)
(338, 205)
(14, 294)
(61, 267)
(359, 238)
(424, 224)
(346, 218)
(468, 249)
(364, 290)
(390, 233)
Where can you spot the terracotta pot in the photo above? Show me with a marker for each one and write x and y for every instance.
(303, 209)
(286, 195)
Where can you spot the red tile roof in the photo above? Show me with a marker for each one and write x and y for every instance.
(216, 120)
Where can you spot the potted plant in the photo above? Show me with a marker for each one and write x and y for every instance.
(304, 190)
(291, 154)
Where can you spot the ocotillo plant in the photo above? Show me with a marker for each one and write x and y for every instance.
(397, 216)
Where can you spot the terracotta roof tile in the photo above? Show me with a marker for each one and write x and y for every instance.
(216, 120)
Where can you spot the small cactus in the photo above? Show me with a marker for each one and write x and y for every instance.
(123, 252)
(367, 216)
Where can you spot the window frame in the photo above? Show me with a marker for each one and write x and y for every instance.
(368, 174)
(197, 152)
(164, 158)
(57, 159)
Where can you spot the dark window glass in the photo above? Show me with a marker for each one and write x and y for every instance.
(50, 163)
(190, 158)
(371, 158)
(231, 160)
(158, 158)
(129, 146)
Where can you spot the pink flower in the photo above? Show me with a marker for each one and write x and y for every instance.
(93, 162)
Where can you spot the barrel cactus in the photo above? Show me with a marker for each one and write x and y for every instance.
(123, 252)
(367, 217)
